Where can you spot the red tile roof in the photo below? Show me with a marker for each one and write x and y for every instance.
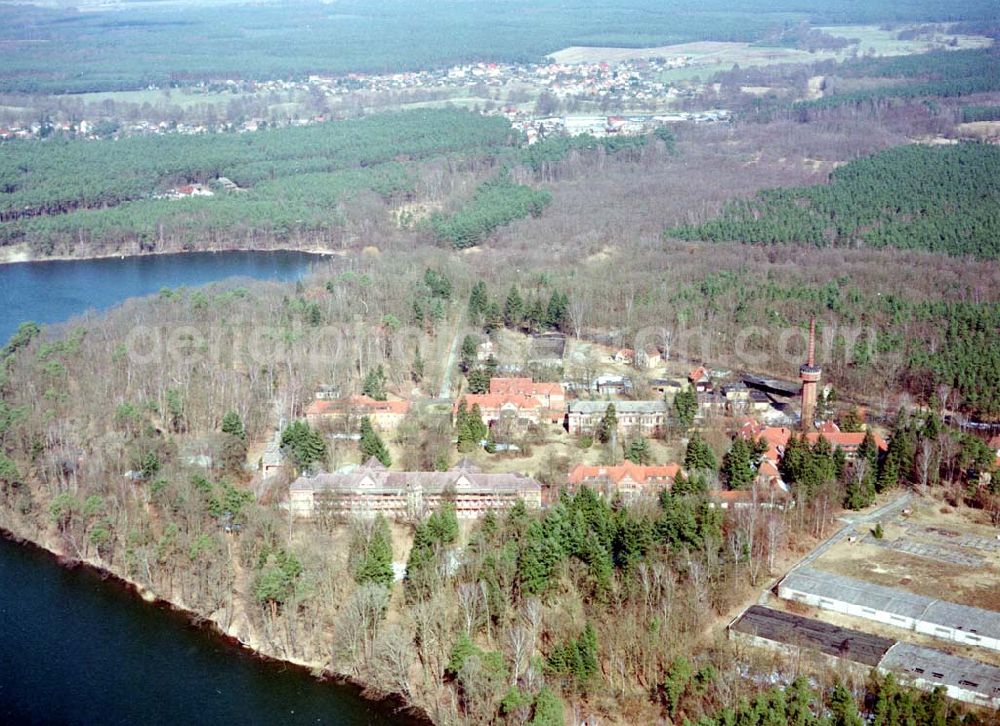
(768, 469)
(355, 404)
(525, 387)
(847, 440)
(491, 401)
(777, 437)
(581, 472)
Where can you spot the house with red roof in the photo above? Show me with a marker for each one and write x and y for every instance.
(347, 413)
(700, 380)
(550, 396)
(494, 408)
(631, 481)
(777, 438)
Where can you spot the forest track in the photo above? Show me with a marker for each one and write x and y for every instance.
(449, 366)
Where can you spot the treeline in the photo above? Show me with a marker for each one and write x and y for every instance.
(56, 176)
(963, 358)
(554, 149)
(942, 199)
(971, 114)
(944, 74)
(72, 52)
(495, 203)
(274, 209)
(882, 702)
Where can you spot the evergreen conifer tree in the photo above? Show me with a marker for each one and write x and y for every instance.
(372, 445)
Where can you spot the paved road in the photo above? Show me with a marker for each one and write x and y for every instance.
(853, 520)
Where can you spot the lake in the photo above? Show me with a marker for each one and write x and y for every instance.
(75, 649)
(50, 292)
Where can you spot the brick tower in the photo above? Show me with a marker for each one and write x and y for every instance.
(810, 374)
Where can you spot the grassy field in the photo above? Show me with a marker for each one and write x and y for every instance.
(710, 58)
(154, 97)
(970, 585)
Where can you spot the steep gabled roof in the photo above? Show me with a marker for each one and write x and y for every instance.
(581, 472)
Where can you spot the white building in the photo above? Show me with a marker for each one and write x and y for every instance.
(892, 606)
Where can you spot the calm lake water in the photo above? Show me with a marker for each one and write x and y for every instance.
(78, 650)
(50, 292)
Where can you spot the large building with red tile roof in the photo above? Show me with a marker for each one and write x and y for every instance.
(629, 480)
(348, 412)
(494, 408)
(777, 438)
(550, 396)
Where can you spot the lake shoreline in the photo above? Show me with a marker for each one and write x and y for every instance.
(214, 628)
(9, 256)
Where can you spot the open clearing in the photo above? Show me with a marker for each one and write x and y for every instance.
(933, 530)
(982, 130)
(710, 57)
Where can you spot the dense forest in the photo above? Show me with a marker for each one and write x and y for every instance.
(290, 180)
(942, 74)
(289, 186)
(943, 199)
(34, 179)
(65, 51)
(495, 203)
(980, 113)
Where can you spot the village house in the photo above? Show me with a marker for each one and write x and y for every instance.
(646, 418)
(631, 481)
(624, 355)
(371, 489)
(611, 385)
(648, 358)
(666, 386)
(494, 408)
(346, 413)
(700, 379)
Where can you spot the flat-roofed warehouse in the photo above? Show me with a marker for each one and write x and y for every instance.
(965, 679)
(893, 606)
(786, 629)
